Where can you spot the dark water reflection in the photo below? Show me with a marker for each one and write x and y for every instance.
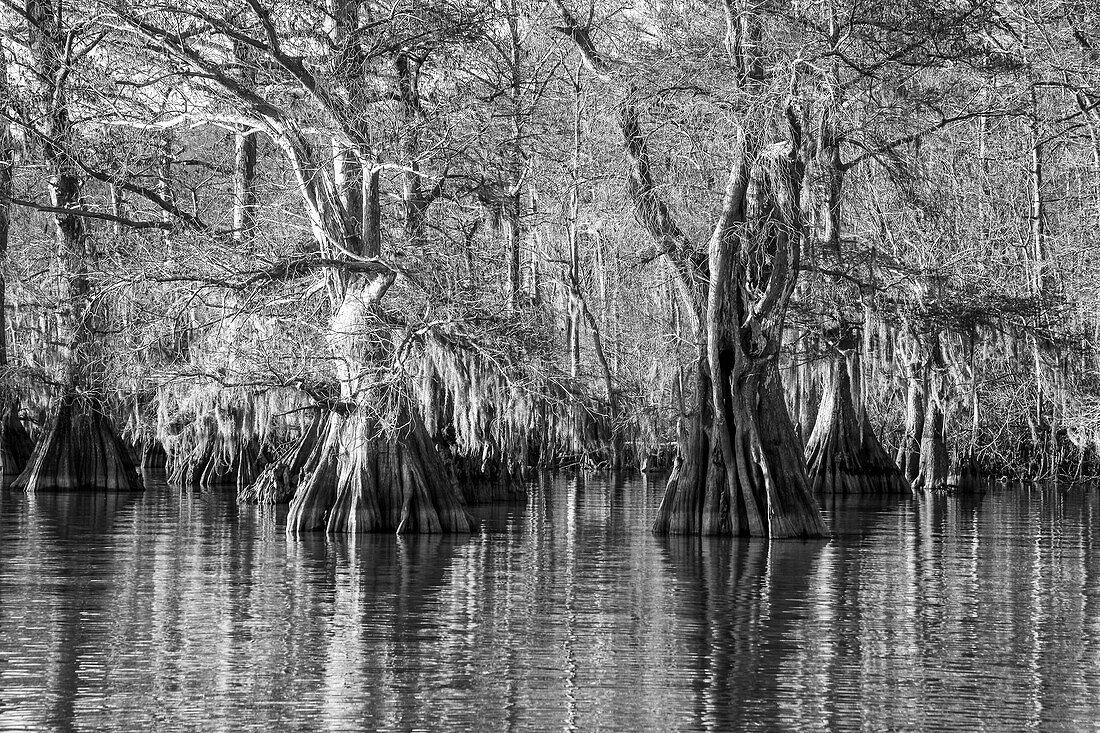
(168, 611)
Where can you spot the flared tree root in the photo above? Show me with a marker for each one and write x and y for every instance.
(935, 464)
(370, 478)
(80, 450)
(219, 466)
(153, 456)
(745, 476)
(844, 456)
(278, 482)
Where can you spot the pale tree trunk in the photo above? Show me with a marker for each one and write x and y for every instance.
(244, 153)
(1042, 275)
(244, 186)
(535, 255)
(416, 200)
(377, 469)
(355, 178)
(578, 302)
(165, 158)
(934, 460)
(916, 387)
(908, 458)
(572, 326)
(339, 492)
(969, 473)
(80, 449)
(373, 466)
(514, 206)
(352, 172)
(923, 455)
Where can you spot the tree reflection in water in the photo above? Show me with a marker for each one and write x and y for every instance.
(174, 609)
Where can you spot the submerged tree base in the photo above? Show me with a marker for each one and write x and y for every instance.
(744, 477)
(79, 451)
(844, 455)
(369, 478)
(219, 466)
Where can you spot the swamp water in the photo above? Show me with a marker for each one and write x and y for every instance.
(173, 610)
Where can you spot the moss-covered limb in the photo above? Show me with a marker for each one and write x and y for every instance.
(496, 415)
(844, 456)
(209, 454)
(79, 451)
(216, 436)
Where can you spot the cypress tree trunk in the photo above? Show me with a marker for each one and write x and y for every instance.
(844, 455)
(741, 468)
(908, 458)
(378, 469)
(79, 451)
(15, 443)
(80, 448)
(923, 455)
(217, 461)
(244, 154)
(934, 465)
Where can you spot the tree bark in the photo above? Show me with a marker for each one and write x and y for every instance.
(245, 153)
(278, 482)
(740, 470)
(844, 455)
(908, 458)
(7, 169)
(80, 449)
(378, 470)
(935, 465)
(15, 443)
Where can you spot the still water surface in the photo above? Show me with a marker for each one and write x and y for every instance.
(173, 610)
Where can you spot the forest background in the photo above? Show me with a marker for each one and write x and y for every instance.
(381, 259)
